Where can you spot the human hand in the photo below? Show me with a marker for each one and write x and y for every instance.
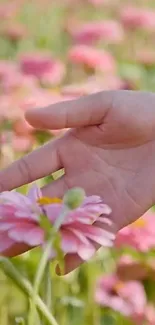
(109, 151)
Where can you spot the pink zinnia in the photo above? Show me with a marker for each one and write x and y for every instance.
(90, 57)
(8, 10)
(14, 32)
(22, 143)
(146, 57)
(108, 30)
(129, 268)
(7, 68)
(134, 17)
(127, 298)
(98, 2)
(43, 66)
(20, 223)
(21, 127)
(140, 235)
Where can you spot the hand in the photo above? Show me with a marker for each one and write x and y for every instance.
(109, 151)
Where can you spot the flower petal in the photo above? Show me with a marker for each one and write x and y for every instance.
(27, 233)
(69, 241)
(53, 211)
(14, 198)
(34, 193)
(86, 251)
(5, 242)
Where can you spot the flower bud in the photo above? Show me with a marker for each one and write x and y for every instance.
(74, 198)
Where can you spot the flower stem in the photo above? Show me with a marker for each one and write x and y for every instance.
(38, 279)
(43, 263)
(23, 283)
(48, 287)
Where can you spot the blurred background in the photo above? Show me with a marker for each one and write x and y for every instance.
(56, 50)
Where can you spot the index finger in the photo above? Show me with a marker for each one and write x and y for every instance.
(35, 165)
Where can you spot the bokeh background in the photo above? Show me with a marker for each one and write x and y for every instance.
(56, 50)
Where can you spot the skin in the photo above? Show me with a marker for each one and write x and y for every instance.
(109, 151)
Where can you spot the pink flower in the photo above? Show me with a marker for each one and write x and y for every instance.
(134, 17)
(43, 66)
(9, 108)
(150, 314)
(95, 59)
(127, 298)
(140, 235)
(14, 32)
(55, 76)
(146, 57)
(8, 10)
(92, 85)
(6, 68)
(97, 2)
(129, 268)
(20, 223)
(21, 127)
(22, 143)
(109, 31)
(15, 81)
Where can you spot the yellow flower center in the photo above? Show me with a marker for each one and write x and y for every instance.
(48, 200)
(118, 285)
(140, 223)
(56, 90)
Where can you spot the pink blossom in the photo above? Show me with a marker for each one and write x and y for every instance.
(6, 68)
(42, 66)
(20, 223)
(21, 127)
(140, 235)
(134, 17)
(108, 30)
(15, 81)
(9, 108)
(22, 143)
(14, 32)
(95, 59)
(55, 76)
(146, 57)
(92, 85)
(129, 268)
(150, 314)
(11, 79)
(8, 10)
(127, 298)
(97, 2)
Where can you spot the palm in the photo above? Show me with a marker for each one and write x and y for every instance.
(119, 172)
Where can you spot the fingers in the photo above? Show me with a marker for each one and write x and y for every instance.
(72, 261)
(88, 110)
(37, 164)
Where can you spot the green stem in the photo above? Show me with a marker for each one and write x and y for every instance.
(43, 263)
(38, 279)
(47, 290)
(23, 283)
(48, 287)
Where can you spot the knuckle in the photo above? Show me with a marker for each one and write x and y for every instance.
(109, 100)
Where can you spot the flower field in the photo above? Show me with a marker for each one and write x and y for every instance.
(52, 51)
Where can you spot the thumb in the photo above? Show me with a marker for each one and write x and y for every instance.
(84, 111)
